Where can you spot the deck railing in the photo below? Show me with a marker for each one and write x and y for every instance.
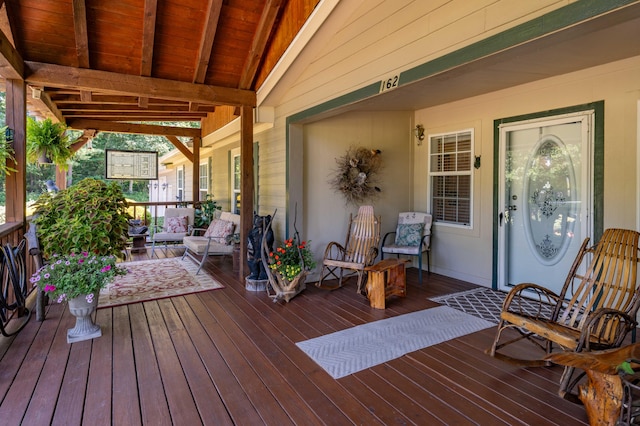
(155, 210)
(13, 233)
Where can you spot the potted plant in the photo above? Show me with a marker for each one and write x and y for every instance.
(47, 140)
(6, 153)
(78, 278)
(206, 212)
(89, 217)
(290, 264)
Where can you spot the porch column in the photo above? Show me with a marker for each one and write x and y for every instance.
(196, 168)
(16, 182)
(246, 184)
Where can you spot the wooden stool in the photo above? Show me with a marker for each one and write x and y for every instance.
(386, 278)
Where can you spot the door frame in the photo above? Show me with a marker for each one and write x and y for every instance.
(597, 177)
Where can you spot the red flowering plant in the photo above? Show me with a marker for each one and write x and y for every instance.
(291, 258)
(73, 275)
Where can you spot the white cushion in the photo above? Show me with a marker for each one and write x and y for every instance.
(198, 245)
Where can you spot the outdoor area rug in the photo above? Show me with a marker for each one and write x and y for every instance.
(155, 279)
(349, 351)
(484, 303)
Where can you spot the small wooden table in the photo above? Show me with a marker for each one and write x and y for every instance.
(386, 278)
(139, 241)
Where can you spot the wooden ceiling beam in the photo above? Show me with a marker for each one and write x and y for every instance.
(181, 147)
(142, 129)
(45, 105)
(80, 27)
(131, 107)
(148, 40)
(206, 41)
(38, 73)
(62, 98)
(11, 63)
(259, 43)
(137, 116)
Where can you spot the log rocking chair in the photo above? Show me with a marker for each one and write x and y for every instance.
(595, 309)
(359, 251)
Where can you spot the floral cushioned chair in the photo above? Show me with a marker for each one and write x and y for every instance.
(178, 223)
(215, 240)
(412, 238)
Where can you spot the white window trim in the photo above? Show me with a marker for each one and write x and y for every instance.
(470, 173)
(203, 176)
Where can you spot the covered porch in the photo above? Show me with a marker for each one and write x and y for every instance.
(229, 357)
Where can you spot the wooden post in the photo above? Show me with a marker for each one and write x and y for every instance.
(246, 183)
(196, 169)
(16, 182)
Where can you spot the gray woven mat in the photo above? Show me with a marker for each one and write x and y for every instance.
(483, 303)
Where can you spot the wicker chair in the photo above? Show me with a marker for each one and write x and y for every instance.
(359, 250)
(594, 310)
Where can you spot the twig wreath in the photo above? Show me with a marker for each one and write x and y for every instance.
(356, 174)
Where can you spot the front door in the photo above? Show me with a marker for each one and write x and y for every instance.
(545, 198)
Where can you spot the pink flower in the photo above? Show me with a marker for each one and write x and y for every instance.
(106, 268)
(49, 287)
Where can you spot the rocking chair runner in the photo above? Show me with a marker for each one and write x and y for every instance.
(593, 311)
(359, 251)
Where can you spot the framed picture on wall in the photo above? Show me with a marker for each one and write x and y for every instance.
(136, 165)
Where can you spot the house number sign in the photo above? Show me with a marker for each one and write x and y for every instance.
(389, 83)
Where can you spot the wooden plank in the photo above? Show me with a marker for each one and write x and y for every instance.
(179, 398)
(22, 367)
(42, 406)
(230, 390)
(180, 319)
(267, 406)
(126, 402)
(74, 385)
(100, 382)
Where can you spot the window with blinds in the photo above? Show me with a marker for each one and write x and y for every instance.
(450, 167)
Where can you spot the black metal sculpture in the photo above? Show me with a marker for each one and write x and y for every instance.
(259, 231)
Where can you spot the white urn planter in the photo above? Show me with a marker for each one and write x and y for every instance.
(85, 327)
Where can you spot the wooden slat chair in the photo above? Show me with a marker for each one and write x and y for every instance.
(594, 310)
(359, 251)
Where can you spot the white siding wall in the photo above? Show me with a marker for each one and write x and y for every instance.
(467, 254)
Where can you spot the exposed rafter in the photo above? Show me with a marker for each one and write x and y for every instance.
(115, 83)
(267, 19)
(148, 37)
(206, 41)
(142, 129)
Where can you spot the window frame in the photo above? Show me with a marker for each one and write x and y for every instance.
(180, 183)
(456, 173)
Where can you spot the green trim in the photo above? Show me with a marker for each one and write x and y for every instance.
(553, 21)
(598, 168)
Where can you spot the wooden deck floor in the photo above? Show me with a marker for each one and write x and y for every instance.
(229, 357)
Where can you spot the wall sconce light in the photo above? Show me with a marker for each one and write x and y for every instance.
(8, 134)
(476, 163)
(164, 186)
(155, 185)
(419, 133)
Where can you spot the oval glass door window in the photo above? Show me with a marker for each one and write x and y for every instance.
(551, 200)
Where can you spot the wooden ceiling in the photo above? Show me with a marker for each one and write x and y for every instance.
(145, 60)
